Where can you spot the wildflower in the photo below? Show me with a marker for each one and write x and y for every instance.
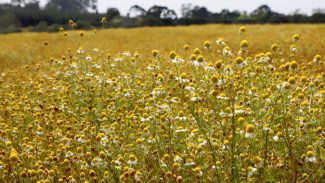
(251, 170)
(166, 157)
(177, 159)
(102, 154)
(92, 173)
(197, 51)
(179, 179)
(186, 47)
(239, 62)
(177, 60)
(241, 120)
(293, 65)
(172, 55)
(80, 50)
(266, 127)
(249, 131)
(226, 51)
(218, 64)
(214, 78)
(242, 30)
(277, 136)
(189, 162)
(126, 54)
(104, 20)
(132, 160)
(311, 86)
(155, 53)
(209, 67)
(88, 58)
(51, 173)
(207, 44)
(221, 42)
(244, 45)
(274, 47)
(310, 157)
(292, 80)
(258, 161)
(293, 48)
(181, 116)
(13, 156)
(198, 172)
(193, 57)
(295, 37)
(199, 61)
(31, 173)
(317, 58)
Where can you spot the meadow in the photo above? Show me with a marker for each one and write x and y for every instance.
(212, 103)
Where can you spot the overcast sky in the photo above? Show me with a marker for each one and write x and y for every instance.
(282, 6)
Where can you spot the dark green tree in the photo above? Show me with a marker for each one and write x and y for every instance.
(136, 11)
(72, 5)
(111, 13)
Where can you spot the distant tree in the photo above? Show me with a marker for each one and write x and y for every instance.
(318, 11)
(185, 10)
(18, 2)
(228, 16)
(262, 13)
(161, 12)
(31, 14)
(318, 18)
(9, 23)
(136, 11)
(111, 13)
(245, 18)
(199, 12)
(71, 5)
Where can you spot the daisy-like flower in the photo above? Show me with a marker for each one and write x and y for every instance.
(145, 117)
(310, 157)
(226, 51)
(200, 61)
(242, 30)
(133, 160)
(80, 50)
(221, 42)
(89, 58)
(181, 116)
(293, 48)
(207, 44)
(178, 159)
(198, 172)
(239, 62)
(189, 162)
(177, 60)
(126, 54)
(250, 131)
(277, 136)
(317, 58)
(251, 170)
(258, 161)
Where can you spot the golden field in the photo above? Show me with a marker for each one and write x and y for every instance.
(213, 103)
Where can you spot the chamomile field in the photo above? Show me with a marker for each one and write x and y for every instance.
(212, 103)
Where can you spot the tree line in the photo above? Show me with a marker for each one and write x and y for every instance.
(19, 15)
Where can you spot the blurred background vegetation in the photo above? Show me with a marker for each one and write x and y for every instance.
(28, 15)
